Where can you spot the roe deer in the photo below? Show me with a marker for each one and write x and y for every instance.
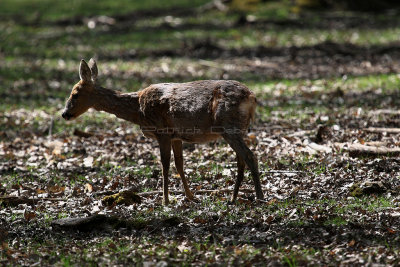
(173, 113)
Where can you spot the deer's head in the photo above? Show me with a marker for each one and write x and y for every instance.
(81, 97)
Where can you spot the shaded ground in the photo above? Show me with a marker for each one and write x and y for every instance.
(316, 97)
(310, 215)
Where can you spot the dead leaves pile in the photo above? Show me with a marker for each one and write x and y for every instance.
(72, 175)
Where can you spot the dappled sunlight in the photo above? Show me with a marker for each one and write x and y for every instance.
(326, 134)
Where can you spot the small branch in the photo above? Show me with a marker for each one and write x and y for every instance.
(83, 134)
(13, 201)
(301, 133)
(263, 201)
(205, 191)
(376, 143)
(384, 112)
(283, 171)
(215, 4)
(105, 193)
(51, 126)
(358, 150)
(211, 64)
(346, 146)
(382, 130)
(320, 148)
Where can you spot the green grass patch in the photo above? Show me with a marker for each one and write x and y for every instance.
(52, 10)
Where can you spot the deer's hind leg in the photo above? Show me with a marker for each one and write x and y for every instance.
(178, 156)
(241, 165)
(245, 154)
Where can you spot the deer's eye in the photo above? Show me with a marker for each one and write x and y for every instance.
(75, 96)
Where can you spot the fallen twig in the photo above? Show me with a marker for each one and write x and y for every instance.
(211, 64)
(301, 133)
(358, 150)
(382, 130)
(320, 148)
(283, 171)
(376, 143)
(204, 191)
(83, 134)
(13, 200)
(51, 126)
(384, 112)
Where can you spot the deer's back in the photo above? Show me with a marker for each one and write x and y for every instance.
(199, 106)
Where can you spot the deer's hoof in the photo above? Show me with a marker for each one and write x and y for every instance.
(193, 199)
(190, 197)
(232, 202)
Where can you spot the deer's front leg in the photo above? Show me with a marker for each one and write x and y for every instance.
(178, 156)
(164, 142)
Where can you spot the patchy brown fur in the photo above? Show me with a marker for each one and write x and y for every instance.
(198, 111)
(193, 109)
(214, 103)
(248, 108)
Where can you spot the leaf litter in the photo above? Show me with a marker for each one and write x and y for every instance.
(314, 206)
(323, 206)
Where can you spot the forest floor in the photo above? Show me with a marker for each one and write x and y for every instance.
(326, 83)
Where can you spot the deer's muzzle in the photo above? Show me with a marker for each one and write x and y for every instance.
(66, 115)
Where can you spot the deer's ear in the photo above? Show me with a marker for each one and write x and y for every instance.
(84, 71)
(93, 69)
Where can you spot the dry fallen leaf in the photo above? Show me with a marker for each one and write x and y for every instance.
(351, 243)
(199, 220)
(270, 219)
(239, 251)
(56, 189)
(88, 188)
(40, 191)
(55, 146)
(112, 246)
(28, 215)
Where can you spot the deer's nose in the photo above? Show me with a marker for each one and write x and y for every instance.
(65, 115)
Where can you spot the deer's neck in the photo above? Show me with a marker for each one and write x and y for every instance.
(124, 106)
